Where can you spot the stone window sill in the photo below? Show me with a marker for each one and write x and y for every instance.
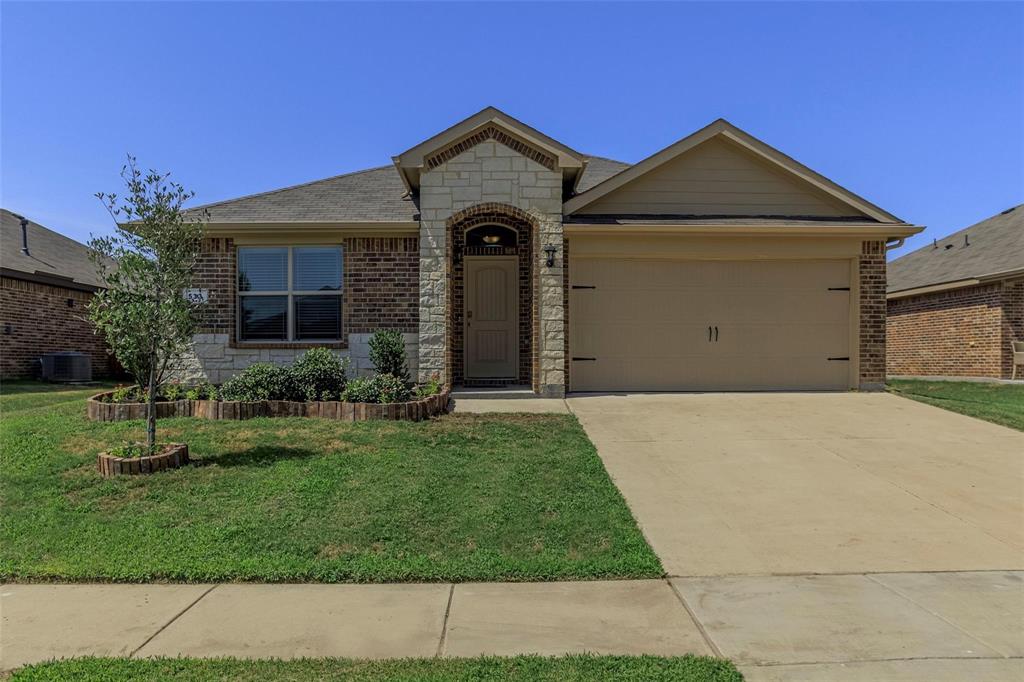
(288, 345)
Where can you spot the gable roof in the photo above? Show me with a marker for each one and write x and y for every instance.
(413, 161)
(376, 195)
(52, 258)
(986, 250)
(727, 131)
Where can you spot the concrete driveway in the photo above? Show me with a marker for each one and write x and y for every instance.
(777, 483)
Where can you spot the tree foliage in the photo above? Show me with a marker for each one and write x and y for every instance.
(145, 266)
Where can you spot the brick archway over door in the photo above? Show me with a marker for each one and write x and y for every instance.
(526, 250)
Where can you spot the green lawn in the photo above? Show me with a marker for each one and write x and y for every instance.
(520, 668)
(458, 498)
(998, 403)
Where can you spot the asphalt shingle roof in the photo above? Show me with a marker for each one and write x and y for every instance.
(373, 195)
(51, 254)
(993, 246)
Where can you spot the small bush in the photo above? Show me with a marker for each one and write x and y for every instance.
(203, 391)
(382, 388)
(432, 387)
(387, 353)
(173, 391)
(318, 375)
(259, 381)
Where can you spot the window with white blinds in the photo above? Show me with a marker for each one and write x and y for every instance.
(289, 293)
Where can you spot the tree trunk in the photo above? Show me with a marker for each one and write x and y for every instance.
(151, 412)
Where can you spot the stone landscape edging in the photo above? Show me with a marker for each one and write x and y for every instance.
(414, 410)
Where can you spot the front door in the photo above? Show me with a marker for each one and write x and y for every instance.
(492, 315)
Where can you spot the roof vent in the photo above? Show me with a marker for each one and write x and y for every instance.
(1009, 210)
(949, 246)
(24, 233)
(967, 242)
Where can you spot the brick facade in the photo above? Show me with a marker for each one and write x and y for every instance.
(40, 318)
(380, 291)
(960, 332)
(872, 315)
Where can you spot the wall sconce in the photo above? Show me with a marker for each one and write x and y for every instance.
(550, 250)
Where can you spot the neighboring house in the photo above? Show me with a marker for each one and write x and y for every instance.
(507, 257)
(956, 305)
(46, 282)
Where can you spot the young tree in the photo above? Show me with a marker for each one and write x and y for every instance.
(146, 265)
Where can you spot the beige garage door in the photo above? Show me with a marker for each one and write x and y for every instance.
(661, 325)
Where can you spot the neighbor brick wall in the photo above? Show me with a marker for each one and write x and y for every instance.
(872, 314)
(1013, 321)
(40, 321)
(381, 285)
(962, 332)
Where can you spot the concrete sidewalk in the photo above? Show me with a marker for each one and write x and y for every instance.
(907, 626)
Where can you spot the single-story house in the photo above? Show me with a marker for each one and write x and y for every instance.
(957, 304)
(46, 282)
(507, 257)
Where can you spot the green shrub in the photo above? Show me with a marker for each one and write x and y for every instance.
(382, 388)
(203, 391)
(318, 375)
(432, 387)
(387, 353)
(173, 391)
(259, 381)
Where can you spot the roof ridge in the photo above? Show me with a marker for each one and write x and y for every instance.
(605, 158)
(289, 187)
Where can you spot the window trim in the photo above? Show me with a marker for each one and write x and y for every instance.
(289, 293)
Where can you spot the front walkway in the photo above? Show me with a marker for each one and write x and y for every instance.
(934, 627)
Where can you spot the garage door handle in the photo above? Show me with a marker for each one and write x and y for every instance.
(709, 333)
(716, 333)
(584, 359)
(846, 359)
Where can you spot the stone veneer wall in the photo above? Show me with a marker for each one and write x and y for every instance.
(493, 173)
(40, 318)
(872, 315)
(380, 292)
(961, 332)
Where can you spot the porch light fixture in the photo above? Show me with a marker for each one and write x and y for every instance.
(492, 239)
(550, 250)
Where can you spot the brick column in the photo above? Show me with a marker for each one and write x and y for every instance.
(872, 316)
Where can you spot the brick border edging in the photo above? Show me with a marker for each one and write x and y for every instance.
(414, 410)
(174, 457)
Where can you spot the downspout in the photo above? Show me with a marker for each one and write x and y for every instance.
(890, 244)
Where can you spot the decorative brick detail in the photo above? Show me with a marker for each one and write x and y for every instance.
(457, 226)
(173, 456)
(960, 332)
(41, 318)
(490, 133)
(872, 315)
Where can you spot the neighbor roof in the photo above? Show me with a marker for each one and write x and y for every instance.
(985, 250)
(52, 258)
(376, 195)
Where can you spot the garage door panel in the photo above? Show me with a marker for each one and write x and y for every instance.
(646, 324)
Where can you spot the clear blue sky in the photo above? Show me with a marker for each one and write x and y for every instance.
(919, 107)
